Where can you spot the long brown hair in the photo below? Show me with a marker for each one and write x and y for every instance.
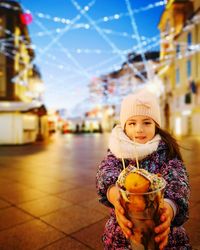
(174, 148)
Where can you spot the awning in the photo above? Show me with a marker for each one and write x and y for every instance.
(18, 106)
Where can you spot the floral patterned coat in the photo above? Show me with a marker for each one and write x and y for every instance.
(177, 189)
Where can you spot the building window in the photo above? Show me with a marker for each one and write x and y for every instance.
(167, 27)
(2, 82)
(189, 69)
(17, 37)
(2, 26)
(177, 76)
(189, 41)
(178, 50)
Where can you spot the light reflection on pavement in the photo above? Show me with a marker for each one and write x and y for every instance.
(48, 198)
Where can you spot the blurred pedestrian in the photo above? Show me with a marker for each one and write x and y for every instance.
(158, 152)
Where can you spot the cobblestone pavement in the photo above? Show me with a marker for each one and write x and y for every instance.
(48, 198)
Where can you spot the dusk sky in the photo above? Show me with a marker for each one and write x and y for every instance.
(73, 46)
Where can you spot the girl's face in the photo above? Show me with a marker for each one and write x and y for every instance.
(140, 128)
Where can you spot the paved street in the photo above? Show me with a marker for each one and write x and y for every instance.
(48, 198)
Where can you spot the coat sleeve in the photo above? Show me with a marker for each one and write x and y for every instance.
(177, 189)
(107, 174)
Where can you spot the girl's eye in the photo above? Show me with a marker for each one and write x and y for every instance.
(132, 123)
(147, 123)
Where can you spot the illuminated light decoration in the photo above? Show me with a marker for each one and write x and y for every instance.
(40, 15)
(81, 26)
(116, 16)
(92, 51)
(87, 26)
(26, 18)
(105, 38)
(86, 8)
(98, 72)
(67, 21)
(62, 20)
(57, 19)
(107, 31)
(65, 51)
(135, 29)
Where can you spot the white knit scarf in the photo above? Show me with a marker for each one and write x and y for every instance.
(122, 147)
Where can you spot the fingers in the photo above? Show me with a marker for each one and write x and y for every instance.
(163, 217)
(119, 207)
(127, 233)
(120, 211)
(162, 227)
(163, 231)
(124, 223)
(123, 220)
(164, 235)
(163, 244)
(165, 222)
(164, 214)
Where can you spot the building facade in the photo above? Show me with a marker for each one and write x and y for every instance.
(180, 66)
(20, 81)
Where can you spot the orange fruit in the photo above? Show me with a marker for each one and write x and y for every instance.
(136, 183)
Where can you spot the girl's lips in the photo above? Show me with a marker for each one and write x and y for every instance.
(140, 137)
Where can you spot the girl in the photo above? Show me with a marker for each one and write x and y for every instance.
(158, 152)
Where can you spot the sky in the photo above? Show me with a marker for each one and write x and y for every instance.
(76, 41)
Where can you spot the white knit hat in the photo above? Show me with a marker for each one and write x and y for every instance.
(140, 103)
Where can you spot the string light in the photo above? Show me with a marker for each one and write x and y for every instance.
(105, 38)
(195, 48)
(64, 49)
(147, 43)
(135, 29)
(86, 8)
(88, 51)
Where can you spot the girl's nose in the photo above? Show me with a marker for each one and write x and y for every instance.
(139, 128)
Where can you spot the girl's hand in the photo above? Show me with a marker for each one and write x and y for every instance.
(163, 229)
(114, 197)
